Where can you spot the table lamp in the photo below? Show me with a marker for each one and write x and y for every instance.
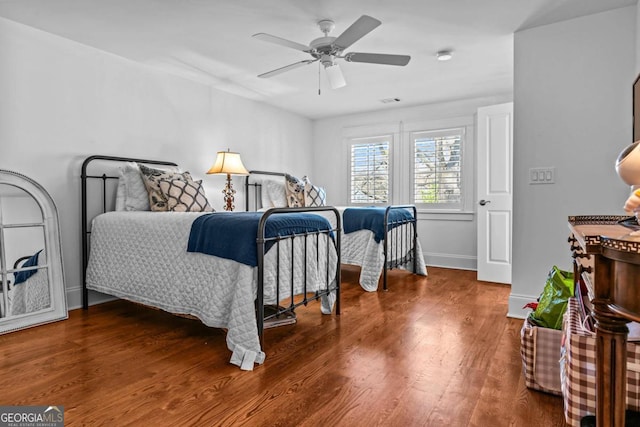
(228, 163)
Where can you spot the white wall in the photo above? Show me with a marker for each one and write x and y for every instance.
(62, 101)
(447, 240)
(572, 102)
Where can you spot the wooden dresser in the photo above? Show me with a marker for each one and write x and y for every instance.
(607, 256)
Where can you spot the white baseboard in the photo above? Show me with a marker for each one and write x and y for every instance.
(74, 298)
(459, 262)
(516, 304)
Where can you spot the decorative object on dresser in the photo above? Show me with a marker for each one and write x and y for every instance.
(628, 169)
(32, 290)
(228, 163)
(607, 259)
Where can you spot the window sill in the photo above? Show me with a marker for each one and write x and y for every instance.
(444, 215)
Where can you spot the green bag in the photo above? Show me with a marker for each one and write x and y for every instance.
(553, 300)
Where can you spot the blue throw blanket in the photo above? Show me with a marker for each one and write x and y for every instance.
(372, 218)
(22, 276)
(232, 235)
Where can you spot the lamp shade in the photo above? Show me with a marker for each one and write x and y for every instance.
(228, 163)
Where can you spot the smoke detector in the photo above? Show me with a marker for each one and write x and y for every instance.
(444, 55)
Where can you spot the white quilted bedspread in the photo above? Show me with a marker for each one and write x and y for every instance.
(142, 257)
(360, 248)
(32, 294)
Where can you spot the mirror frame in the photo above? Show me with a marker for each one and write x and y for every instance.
(53, 265)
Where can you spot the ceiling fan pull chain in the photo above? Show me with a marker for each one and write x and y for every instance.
(319, 79)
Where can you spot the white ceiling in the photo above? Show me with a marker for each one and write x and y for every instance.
(210, 41)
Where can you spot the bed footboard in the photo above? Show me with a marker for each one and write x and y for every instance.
(400, 243)
(312, 247)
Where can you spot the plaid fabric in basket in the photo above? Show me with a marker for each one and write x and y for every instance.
(540, 351)
(578, 369)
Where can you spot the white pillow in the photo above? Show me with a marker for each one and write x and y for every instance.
(121, 194)
(276, 193)
(272, 194)
(136, 197)
(265, 201)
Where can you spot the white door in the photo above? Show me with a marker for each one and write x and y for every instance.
(494, 191)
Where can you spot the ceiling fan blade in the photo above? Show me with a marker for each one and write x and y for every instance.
(378, 58)
(287, 68)
(335, 76)
(282, 42)
(363, 25)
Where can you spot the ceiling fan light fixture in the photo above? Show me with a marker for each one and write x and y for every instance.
(444, 55)
(334, 74)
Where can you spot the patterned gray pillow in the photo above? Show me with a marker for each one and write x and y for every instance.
(313, 195)
(184, 196)
(151, 178)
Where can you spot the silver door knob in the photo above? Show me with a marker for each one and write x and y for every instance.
(484, 202)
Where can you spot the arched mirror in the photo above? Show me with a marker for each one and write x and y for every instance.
(32, 291)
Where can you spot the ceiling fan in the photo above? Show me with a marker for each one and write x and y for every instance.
(327, 49)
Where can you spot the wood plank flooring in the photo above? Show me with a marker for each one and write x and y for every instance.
(434, 351)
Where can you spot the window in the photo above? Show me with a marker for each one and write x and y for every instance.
(437, 168)
(426, 163)
(369, 170)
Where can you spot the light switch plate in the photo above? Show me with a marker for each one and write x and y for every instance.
(542, 175)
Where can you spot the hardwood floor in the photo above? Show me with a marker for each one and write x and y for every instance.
(435, 351)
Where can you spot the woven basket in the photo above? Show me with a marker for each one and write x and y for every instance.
(540, 351)
(578, 369)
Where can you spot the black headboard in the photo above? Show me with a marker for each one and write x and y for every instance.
(104, 178)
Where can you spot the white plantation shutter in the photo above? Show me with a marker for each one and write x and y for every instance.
(437, 168)
(369, 170)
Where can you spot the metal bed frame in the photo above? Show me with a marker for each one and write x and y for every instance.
(86, 233)
(402, 241)
(261, 239)
(398, 241)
